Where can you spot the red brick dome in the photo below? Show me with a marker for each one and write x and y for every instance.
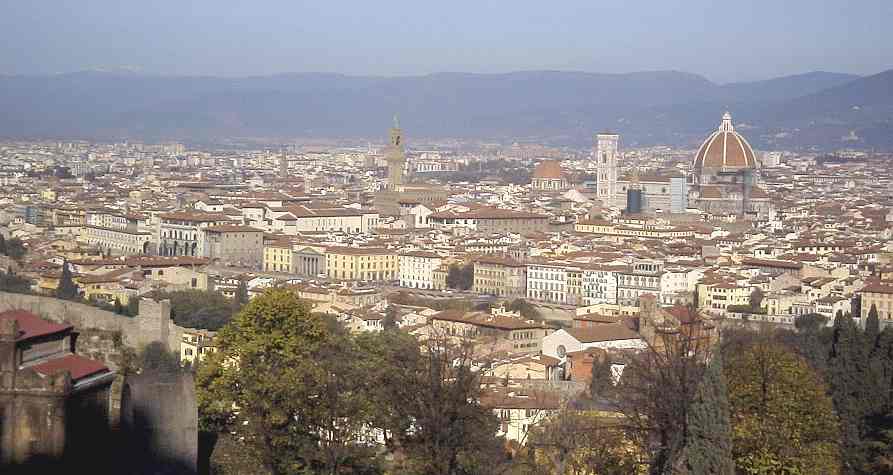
(725, 150)
(547, 169)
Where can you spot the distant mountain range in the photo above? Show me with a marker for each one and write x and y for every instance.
(818, 109)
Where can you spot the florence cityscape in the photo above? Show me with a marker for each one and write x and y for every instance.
(468, 238)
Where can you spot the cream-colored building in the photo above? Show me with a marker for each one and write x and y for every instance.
(417, 269)
(718, 297)
(495, 332)
(196, 345)
(278, 256)
(500, 276)
(880, 294)
(179, 232)
(354, 263)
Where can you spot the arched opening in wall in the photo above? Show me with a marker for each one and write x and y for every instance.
(146, 248)
(194, 245)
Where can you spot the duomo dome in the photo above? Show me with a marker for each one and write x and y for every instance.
(724, 151)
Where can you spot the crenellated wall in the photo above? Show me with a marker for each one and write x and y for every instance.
(152, 324)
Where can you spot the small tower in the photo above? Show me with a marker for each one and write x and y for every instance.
(396, 158)
(283, 165)
(606, 146)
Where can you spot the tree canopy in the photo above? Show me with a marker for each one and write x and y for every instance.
(204, 309)
(461, 277)
(782, 419)
(67, 289)
(312, 398)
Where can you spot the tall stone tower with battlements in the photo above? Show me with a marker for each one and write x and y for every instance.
(606, 156)
(396, 158)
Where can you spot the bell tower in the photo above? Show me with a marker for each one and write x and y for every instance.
(396, 157)
(606, 146)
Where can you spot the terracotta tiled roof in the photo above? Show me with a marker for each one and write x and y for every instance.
(878, 287)
(78, 366)
(548, 169)
(32, 326)
(725, 149)
(233, 228)
(486, 320)
(606, 332)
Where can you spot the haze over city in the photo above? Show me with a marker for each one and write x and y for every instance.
(455, 238)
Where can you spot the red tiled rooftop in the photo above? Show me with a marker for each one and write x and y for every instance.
(32, 326)
(78, 366)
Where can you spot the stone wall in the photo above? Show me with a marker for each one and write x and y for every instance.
(152, 324)
(160, 415)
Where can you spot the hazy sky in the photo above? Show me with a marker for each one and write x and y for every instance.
(723, 40)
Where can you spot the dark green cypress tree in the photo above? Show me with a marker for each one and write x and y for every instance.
(242, 293)
(2, 245)
(847, 376)
(709, 445)
(389, 322)
(601, 378)
(872, 328)
(67, 289)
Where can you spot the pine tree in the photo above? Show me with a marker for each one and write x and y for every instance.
(67, 289)
(709, 445)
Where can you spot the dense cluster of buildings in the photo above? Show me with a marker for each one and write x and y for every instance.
(598, 254)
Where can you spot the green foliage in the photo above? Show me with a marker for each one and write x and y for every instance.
(602, 381)
(709, 447)
(427, 405)
(306, 391)
(872, 327)
(756, 300)
(156, 358)
(461, 277)
(782, 419)
(577, 442)
(266, 366)
(848, 373)
(655, 393)
(745, 309)
(526, 309)
(858, 366)
(13, 248)
(879, 445)
(67, 289)
(133, 306)
(203, 309)
(390, 318)
(10, 282)
(241, 296)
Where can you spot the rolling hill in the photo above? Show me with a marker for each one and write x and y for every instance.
(814, 109)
